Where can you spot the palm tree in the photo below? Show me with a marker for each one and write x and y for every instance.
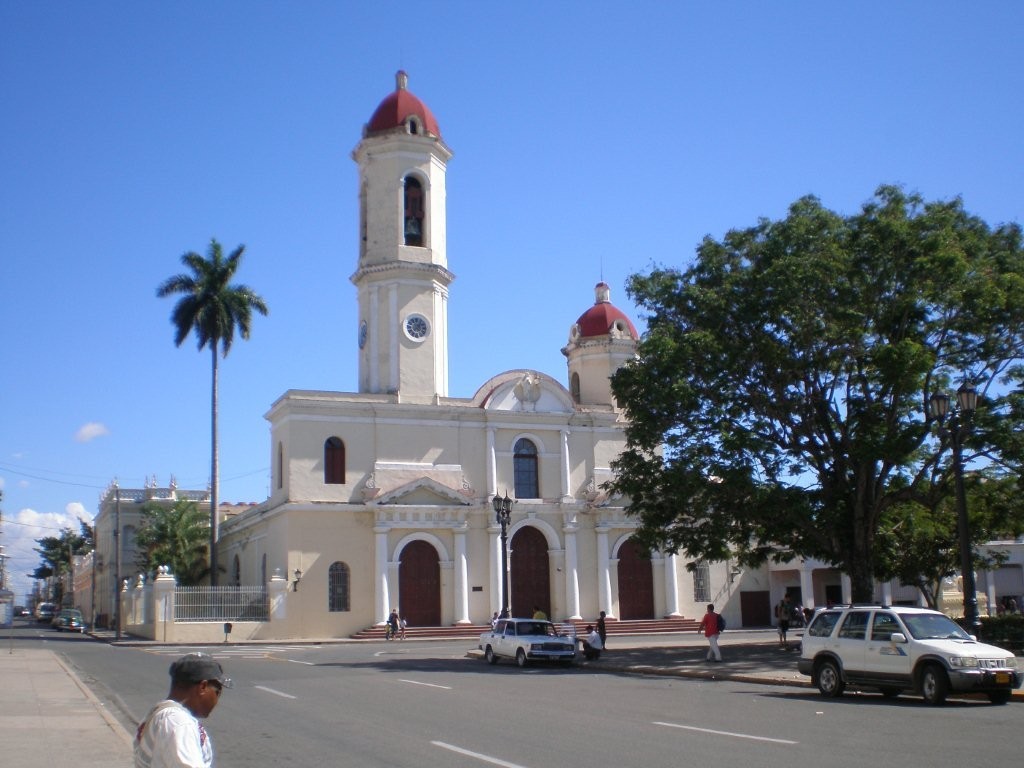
(176, 536)
(213, 308)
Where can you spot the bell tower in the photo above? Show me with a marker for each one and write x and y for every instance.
(402, 279)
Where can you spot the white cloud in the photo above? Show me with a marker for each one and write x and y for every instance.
(91, 431)
(19, 540)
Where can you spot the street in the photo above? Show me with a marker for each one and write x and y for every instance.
(411, 704)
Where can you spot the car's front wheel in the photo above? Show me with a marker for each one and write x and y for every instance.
(489, 655)
(934, 684)
(521, 657)
(830, 680)
(999, 697)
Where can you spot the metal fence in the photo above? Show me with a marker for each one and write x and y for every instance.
(221, 604)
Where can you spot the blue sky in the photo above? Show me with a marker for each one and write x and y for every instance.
(591, 140)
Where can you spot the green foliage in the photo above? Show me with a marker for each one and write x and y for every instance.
(56, 552)
(175, 536)
(1006, 631)
(778, 404)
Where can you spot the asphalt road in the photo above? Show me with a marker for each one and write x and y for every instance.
(414, 704)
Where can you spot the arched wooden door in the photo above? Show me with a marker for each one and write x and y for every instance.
(419, 585)
(636, 583)
(528, 566)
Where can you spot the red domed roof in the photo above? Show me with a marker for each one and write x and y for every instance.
(599, 319)
(398, 107)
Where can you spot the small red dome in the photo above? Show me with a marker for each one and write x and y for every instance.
(398, 107)
(600, 318)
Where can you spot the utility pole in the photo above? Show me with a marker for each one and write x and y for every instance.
(117, 560)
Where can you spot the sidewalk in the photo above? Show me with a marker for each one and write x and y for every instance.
(50, 719)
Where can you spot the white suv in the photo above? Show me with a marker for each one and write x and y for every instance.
(895, 649)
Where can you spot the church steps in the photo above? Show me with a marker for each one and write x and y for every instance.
(460, 631)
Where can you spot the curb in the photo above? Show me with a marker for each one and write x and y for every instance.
(112, 723)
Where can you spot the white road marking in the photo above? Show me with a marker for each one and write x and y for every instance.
(307, 663)
(276, 693)
(477, 755)
(429, 685)
(726, 733)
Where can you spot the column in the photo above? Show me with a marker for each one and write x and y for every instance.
(566, 497)
(990, 591)
(604, 583)
(494, 547)
(492, 464)
(572, 581)
(672, 585)
(807, 585)
(886, 593)
(394, 326)
(461, 576)
(277, 592)
(380, 567)
(847, 588)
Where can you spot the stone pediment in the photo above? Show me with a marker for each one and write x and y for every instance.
(423, 492)
(524, 391)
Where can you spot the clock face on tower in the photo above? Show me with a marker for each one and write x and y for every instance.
(416, 327)
(362, 334)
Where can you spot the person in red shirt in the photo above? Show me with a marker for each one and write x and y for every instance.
(712, 627)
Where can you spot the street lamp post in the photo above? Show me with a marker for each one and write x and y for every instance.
(503, 513)
(956, 428)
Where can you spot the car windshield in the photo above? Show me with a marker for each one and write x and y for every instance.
(537, 628)
(71, 614)
(930, 626)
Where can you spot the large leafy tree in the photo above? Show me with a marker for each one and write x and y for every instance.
(779, 402)
(177, 536)
(215, 308)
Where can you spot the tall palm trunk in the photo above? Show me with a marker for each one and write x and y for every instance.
(214, 479)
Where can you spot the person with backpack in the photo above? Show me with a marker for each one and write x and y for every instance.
(712, 625)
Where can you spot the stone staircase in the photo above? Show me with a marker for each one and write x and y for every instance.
(473, 631)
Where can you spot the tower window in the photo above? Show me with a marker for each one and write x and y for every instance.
(413, 226)
(334, 461)
(524, 464)
(574, 387)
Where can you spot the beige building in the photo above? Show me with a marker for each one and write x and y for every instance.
(382, 498)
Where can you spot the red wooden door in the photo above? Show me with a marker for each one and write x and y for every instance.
(528, 572)
(419, 585)
(636, 583)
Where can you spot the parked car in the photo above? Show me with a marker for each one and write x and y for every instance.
(894, 649)
(70, 619)
(527, 640)
(45, 611)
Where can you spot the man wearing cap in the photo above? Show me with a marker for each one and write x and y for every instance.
(171, 736)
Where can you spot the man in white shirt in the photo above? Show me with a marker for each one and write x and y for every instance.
(592, 645)
(171, 735)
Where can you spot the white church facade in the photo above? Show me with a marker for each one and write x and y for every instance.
(382, 498)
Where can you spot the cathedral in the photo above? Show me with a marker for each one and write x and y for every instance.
(384, 498)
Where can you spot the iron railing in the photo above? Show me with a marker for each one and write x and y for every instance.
(221, 604)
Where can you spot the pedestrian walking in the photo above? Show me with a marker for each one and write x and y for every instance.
(392, 630)
(711, 626)
(783, 611)
(602, 630)
(171, 735)
(402, 625)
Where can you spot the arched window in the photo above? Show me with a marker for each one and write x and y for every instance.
(524, 464)
(280, 465)
(574, 388)
(334, 461)
(236, 571)
(413, 225)
(338, 587)
(263, 569)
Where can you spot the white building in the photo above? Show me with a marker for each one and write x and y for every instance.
(382, 497)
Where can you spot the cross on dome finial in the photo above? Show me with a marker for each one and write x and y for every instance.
(401, 81)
